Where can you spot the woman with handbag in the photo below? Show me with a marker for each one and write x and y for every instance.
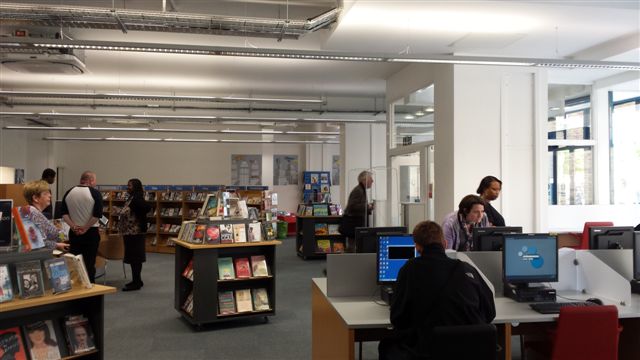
(133, 227)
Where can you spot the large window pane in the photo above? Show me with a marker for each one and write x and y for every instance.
(413, 118)
(570, 175)
(625, 148)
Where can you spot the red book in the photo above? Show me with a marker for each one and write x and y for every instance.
(212, 235)
(11, 343)
(243, 269)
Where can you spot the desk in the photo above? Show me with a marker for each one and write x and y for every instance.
(338, 322)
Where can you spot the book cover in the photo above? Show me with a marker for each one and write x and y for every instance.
(210, 206)
(320, 210)
(77, 270)
(58, 275)
(253, 214)
(243, 300)
(79, 335)
(323, 246)
(300, 210)
(243, 270)
(225, 269)
(188, 304)
(334, 229)
(255, 232)
(188, 270)
(198, 234)
(212, 235)
(321, 229)
(244, 210)
(308, 211)
(226, 303)
(269, 231)
(12, 344)
(25, 244)
(259, 266)
(333, 210)
(314, 178)
(337, 247)
(6, 288)
(42, 340)
(234, 207)
(324, 178)
(30, 281)
(260, 299)
(239, 233)
(226, 233)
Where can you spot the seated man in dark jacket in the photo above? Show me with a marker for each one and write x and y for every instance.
(433, 290)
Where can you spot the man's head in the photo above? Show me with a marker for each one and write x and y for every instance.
(471, 208)
(49, 175)
(365, 179)
(427, 233)
(88, 178)
(80, 335)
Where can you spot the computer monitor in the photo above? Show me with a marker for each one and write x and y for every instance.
(530, 258)
(611, 237)
(6, 230)
(367, 237)
(57, 210)
(636, 255)
(393, 253)
(491, 238)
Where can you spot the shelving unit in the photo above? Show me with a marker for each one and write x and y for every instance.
(307, 240)
(205, 285)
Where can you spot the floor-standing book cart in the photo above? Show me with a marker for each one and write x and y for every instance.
(212, 281)
(317, 236)
(19, 312)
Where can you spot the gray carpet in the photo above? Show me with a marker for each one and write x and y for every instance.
(144, 325)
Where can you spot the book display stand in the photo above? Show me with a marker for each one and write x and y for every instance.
(223, 282)
(317, 236)
(20, 312)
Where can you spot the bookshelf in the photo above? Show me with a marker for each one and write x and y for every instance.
(205, 286)
(172, 204)
(88, 302)
(308, 245)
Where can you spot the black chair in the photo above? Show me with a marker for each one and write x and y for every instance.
(478, 342)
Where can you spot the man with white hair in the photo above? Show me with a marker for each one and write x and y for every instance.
(358, 209)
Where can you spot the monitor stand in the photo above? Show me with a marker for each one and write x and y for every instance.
(635, 286)
(526, 293)
(386, 293)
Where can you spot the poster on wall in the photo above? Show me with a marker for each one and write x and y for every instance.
(285, 169)
(335, 169)
(246, 169)
(19, 176)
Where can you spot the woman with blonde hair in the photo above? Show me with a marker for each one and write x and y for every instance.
(38, 195)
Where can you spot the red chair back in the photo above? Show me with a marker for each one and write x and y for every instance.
(588, 332)
(584, 243)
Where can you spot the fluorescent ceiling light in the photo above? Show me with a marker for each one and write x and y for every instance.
(409, 117)
(419, 113)
(131, 139)
(204, 131)
(107, 128)
(191, 140)
(56, 138)
(266, 131)
(313, 132)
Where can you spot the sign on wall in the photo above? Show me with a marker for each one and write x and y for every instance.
(285, 169)
(246, 169)
(335, 169)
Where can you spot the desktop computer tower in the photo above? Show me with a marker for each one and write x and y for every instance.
(529, 294)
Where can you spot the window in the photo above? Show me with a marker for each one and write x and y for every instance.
(570, 152)
(624, 147)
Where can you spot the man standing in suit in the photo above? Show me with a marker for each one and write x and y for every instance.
(81, 210)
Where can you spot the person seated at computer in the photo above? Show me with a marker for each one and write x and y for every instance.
(433, 290)
(489, 190)
(458, 226)
(38, 195)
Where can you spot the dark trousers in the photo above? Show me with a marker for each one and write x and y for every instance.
(87, 245)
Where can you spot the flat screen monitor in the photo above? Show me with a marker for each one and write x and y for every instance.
(636, 255)
(57, 210)
(367, 237)
(5, 222)
(491, 238)
(530, 258)
(393, 253)
(611, 237)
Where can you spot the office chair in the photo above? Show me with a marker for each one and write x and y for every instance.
(584, 240)
(477, 342)
(587, 332)
(110, 248)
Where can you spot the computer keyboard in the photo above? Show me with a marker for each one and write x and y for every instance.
(554, 307)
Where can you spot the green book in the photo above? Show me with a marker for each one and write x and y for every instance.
(225, 269)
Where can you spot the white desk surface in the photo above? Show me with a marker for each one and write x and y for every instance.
(363, 312)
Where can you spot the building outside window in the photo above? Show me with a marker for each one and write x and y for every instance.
(624, 147)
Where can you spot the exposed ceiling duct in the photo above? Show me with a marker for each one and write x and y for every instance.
(147, 20)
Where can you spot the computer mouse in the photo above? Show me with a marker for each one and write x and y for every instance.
(595, 301)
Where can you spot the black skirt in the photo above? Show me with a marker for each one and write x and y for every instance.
(134, 249)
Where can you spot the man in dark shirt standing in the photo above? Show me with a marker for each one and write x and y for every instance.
(81, 210)
(49, 175)
(358, 209)
(433, 290)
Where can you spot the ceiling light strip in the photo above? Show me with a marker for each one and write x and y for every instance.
(228, 141)
(211, 131)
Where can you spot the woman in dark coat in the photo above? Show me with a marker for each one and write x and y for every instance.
(133, 227)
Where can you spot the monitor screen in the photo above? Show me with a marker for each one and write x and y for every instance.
(530, 258)
(491, 238)
(636, 255)
(393, 253)
(611, 237)
(367, 237)
(5, 222)
(57, 210)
